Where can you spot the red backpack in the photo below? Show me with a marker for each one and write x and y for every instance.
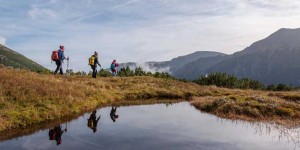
(54, 56)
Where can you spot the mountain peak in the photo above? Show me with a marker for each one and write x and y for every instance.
(286, 32)
(282, 40)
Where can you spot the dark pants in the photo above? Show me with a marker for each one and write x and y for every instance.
(59, 67)
(94, 67)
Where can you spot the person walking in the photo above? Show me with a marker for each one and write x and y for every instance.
(93, 62)
(59, 60)
(113, 68)
(113, 114)
(93, 121)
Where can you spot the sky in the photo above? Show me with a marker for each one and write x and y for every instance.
(138, 30)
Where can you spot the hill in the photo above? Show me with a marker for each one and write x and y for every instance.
(198, 67)
(272, 60)
(173, 65)
(11, 58)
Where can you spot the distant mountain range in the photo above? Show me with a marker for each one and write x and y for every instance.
(173, 65)
(275, 59)
(11, 58)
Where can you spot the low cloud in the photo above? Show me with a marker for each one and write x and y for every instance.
(146, 67)
(2, 40)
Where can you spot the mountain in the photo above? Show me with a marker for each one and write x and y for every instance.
(173, 65)
(275, 59)
(198, 67)
(11, 58)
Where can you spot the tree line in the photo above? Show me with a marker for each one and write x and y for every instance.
(230, 81)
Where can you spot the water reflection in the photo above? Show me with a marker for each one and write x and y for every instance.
(56, 134)
(278, 133)
(181, 126)
(93, 121)
(113, 114)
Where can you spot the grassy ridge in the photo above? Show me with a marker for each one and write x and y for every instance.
(28, 98)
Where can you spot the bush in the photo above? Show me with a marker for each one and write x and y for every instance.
(229, 81)
(104, 73)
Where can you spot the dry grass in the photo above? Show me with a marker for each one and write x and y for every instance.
(28, 98)
(253, 105)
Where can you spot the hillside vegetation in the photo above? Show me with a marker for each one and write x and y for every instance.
(28, 98)
(13, 59)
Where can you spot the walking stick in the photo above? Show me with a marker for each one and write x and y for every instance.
(68, 72)
(66, 127)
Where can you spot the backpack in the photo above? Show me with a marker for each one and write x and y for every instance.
(92, 60)
(112, 66)
(54, 56)
(51, 134)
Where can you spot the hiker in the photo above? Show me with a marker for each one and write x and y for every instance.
(92, 121)
(59, 57)
(113, 67)
(113, 115)
(93, 62)
(56, 133)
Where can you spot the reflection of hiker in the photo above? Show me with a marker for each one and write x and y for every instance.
(56, 134)
(113, 115)
(92, 121)
(113, 67)
(59, 57)
(93, 62)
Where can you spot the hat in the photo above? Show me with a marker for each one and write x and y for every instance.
(62, 47)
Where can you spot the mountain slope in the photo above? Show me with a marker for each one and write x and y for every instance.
(197, 68)
(175, 64)
(274, 59)
(11, 58)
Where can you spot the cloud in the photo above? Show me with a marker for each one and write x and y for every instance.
(131, 30)
(2, 40)
(130, 2)
(42, 13)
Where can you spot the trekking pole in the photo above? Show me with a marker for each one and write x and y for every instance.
(68, 66)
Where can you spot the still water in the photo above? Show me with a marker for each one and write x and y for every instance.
(159, 126)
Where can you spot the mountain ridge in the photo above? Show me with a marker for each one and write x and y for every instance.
(272, 60)
(11, 58)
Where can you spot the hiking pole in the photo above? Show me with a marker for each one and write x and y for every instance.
(68, 73)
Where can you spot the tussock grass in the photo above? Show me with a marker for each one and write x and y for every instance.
(28, 98)
(253, 106)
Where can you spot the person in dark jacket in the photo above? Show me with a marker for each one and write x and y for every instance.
(113, 115)
(61, 58)
(96, 62)
(56, 134)
(93, 121)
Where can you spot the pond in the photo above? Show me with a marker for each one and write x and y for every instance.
(159, 126)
